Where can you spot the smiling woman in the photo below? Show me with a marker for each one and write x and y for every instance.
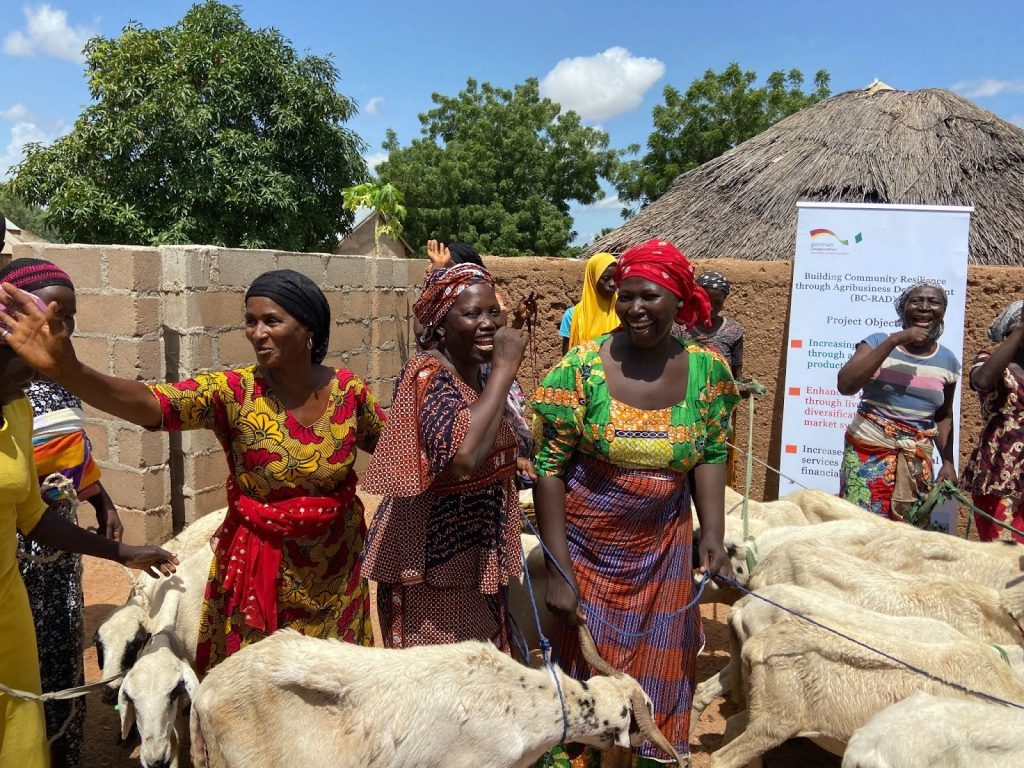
(445, 542)
(907, 381)
(288, 552)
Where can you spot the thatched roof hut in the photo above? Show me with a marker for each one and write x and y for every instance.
(877, 145)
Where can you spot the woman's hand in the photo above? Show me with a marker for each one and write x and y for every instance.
(912, 336)
(439, 255)
(561, 600)
(38, 336)
(149, 558)
(109, 522)
(713, 557)
(946, 472)
(526, 310)
(509, 348)
(525, 469)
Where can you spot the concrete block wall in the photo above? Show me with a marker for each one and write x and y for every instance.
(164, 314)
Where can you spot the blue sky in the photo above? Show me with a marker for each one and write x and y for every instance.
(608, 60)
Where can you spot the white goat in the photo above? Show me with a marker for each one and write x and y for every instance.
(457, 705)
(152, 695)
(927, 730)
(125, 631)
(800, 680)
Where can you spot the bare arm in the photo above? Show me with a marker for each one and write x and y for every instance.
(107, 519)
(59, 533)
(549, 498)
(944, 438)
(43, 342)
(486, 412)
(709, 499)
(985, 377)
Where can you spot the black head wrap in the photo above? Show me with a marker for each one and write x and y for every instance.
(302, 299)
(463, 253)
(714, 281)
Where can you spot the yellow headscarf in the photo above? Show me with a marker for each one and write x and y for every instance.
(594, 315)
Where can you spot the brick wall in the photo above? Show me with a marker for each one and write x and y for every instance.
(163, 314)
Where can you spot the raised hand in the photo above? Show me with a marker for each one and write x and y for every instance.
(526, 310)
(35, 332)
(913, 336)
(509, 347)
(439, 255)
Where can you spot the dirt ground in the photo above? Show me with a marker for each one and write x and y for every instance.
(106, 587)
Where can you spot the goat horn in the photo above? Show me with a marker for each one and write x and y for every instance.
(589, 648)
(650, 730)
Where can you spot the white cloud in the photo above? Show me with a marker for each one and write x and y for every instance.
(48, 32)
(375, 158)
(982, 89)
(604, 85)
(23, 133)
(607, 203)
(17, 114)
(373, 105)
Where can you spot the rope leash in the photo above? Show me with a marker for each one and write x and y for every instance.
(67, 693)
(66, 502)
(907, 665)
(950, 491)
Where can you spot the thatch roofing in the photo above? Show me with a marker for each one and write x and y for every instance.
(876, 145)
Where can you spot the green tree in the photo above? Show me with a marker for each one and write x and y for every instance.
(203, 132)
(717, 112)
(386, 202)
(497, 168)
(27, 216)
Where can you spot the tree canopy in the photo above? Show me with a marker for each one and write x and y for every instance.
(203, 132)
(717, 112)
(497, 168)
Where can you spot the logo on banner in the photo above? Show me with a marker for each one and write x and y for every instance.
(827, 241)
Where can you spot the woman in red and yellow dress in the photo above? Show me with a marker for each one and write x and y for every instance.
(288, 551)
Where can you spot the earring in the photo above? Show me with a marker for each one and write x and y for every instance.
(309, 343)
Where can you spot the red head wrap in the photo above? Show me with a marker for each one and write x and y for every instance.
(442, 288)
(661, 262)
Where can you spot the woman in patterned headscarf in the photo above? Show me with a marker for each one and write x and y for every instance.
(621, 424)
(722, 334)
(445, 542)
(994, 475)
(907, 380)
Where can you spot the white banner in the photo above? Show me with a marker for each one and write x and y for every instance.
(852, 262)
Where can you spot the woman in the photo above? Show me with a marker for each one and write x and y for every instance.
(22, 723)
(288, 551)
(723, 334)
(445, 542)
(994, 475)
(908, 381)
(594, 315)
(54, 580)
(621, 421)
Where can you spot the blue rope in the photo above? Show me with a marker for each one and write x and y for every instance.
(865, 646)
(545, 644)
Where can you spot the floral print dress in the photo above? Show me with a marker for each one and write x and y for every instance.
(272, 457)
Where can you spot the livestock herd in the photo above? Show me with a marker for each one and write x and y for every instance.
(860, 633)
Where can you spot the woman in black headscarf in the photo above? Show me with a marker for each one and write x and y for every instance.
(288, 552)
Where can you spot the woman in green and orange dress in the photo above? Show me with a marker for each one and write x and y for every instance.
(621, 423)
(288, 551)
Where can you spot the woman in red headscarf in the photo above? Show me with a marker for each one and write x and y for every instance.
(620, 424)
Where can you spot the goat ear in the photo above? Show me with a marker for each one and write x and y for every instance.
(127, 710)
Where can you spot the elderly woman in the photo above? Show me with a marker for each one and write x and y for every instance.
(54, 580)
(907, 380)
(288, 552)
(594, 314)
(621, 422)
(445, 541)
(994, 475)
(22, 725)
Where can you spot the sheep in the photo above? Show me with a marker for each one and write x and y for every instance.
(976, 610)
(458, 705)
(938, 731)
(821, 507)
(125, 631)
(800, 680)
(151, 696)
(750, 615)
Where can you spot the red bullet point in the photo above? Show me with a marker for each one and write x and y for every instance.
(797, 343)
(794, 391)
(790, 449)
